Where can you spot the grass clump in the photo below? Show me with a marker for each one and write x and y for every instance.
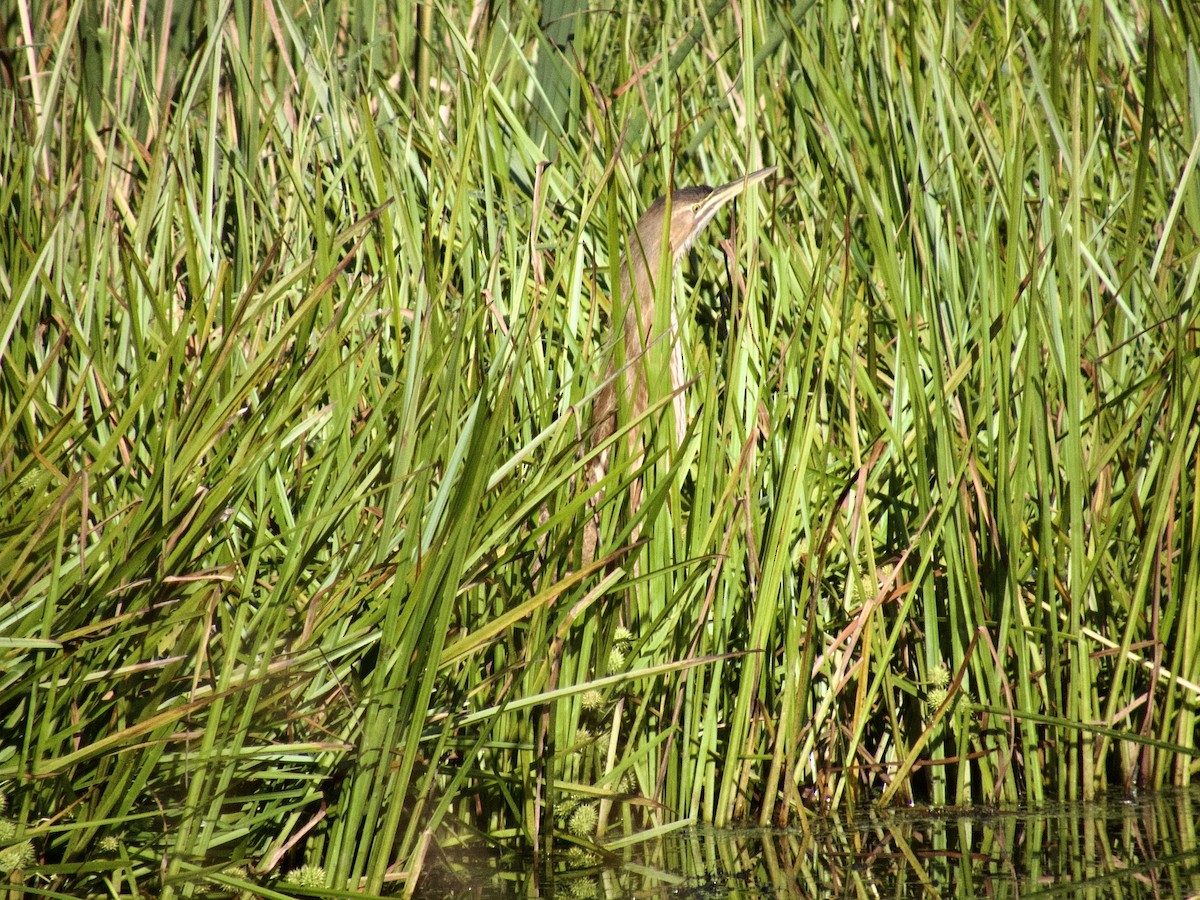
(301, 312)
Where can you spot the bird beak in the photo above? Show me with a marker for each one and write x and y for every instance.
(726, 192)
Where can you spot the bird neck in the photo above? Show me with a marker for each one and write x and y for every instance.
(639, 275)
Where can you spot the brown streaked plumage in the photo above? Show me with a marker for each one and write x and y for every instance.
(691, 209)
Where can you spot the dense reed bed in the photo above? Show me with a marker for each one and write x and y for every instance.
(301, 311)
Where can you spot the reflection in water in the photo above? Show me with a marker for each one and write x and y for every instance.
(1142, 848)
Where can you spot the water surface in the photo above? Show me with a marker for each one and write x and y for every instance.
(1141, 847)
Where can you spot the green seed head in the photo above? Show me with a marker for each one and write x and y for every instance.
(583, 821)
(939, 675)
(937, 696)
(18, 856)
(308, 876)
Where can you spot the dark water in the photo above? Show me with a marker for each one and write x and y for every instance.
(1146, 847)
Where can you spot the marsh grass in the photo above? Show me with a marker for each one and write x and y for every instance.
(299, 333)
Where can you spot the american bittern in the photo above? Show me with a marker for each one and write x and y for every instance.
(691, 208)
